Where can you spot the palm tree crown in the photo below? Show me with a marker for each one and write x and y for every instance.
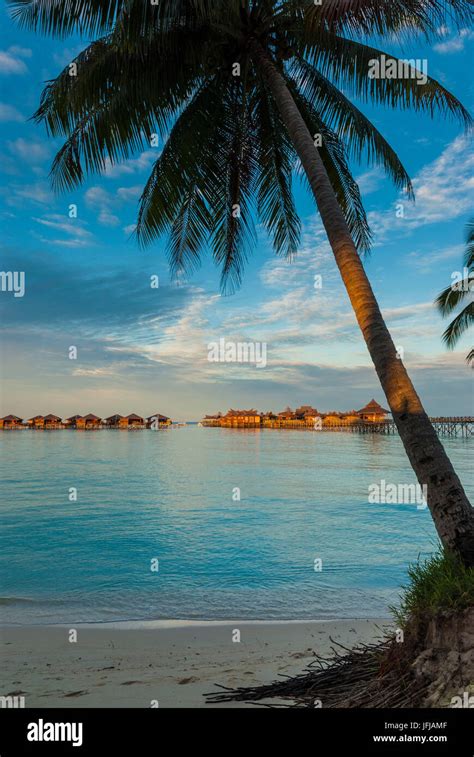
(184, 70)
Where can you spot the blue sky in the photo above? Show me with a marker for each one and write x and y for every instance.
(145, 350)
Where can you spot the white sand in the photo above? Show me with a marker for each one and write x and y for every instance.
(174, 662)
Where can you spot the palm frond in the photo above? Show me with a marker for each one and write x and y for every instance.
(188, 233)
(63, 17)
(469, 254)
(459, 325)
(452, 296)
(276, 158)
(347, 63)
(234, 233)
(334, 158)
(186, 163)
(361, 137)
(91, 17)
(384, 17)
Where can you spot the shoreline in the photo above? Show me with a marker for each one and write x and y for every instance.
(164, 623)
(172, 663)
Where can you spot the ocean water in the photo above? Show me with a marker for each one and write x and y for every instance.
(171, 496)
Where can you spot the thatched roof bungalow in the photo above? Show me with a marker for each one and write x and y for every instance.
(72, 421)
(212, 420)
(241, 418)
(306, 412)
(373, 412)
(37, 421)
(89, 421)
(156, 420)
(132, 421)
(11, 421)
(113, 421)
(52, 421)
(287, 414)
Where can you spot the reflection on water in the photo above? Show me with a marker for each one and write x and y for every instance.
(172, 496)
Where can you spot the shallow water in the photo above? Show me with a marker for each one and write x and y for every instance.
(170, 495)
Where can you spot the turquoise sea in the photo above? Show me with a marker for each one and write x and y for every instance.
(170, 496)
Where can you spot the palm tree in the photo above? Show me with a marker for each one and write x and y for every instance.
(456, 293)
(241, 91)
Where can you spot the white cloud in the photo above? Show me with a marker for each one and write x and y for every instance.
(22, 52)
(11, 60)
(425, 260)
(105, 202)
(370, 180)
(93, 372)
(39, 193)
(129, 193)
(72, 227)
(9, 113)
(32, 152)
(443, 191)
(129, 229)
(97, 196)
(454, 44)
(131, 166)
(106, 218)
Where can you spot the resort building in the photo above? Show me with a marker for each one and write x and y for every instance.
(89, 421)
(72, 421)
(113, 421)
(11, 421)
(212, 420)
(304, 416)
(157, 420)
(287, 415)
(132, 421)
(268, 419)
(36, 422)
(52, 421)
(249, 418)
(373, 412)
(307, 413)
(333, 418)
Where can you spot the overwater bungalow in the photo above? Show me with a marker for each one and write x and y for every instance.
(268, 419)
(212, 420)
(113, 421)
(52, 421)
(287, 415)
(11, 421)
(249, 418)
(157, 420)
(373, 412)
(89, 421)
(72, 421)
(307, 413)
(132, 421)
(36, 422)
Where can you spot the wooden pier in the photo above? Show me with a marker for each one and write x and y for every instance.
(455, 426)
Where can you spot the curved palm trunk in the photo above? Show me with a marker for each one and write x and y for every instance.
(449, 506)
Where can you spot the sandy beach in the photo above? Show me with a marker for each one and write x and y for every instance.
(162, 663)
